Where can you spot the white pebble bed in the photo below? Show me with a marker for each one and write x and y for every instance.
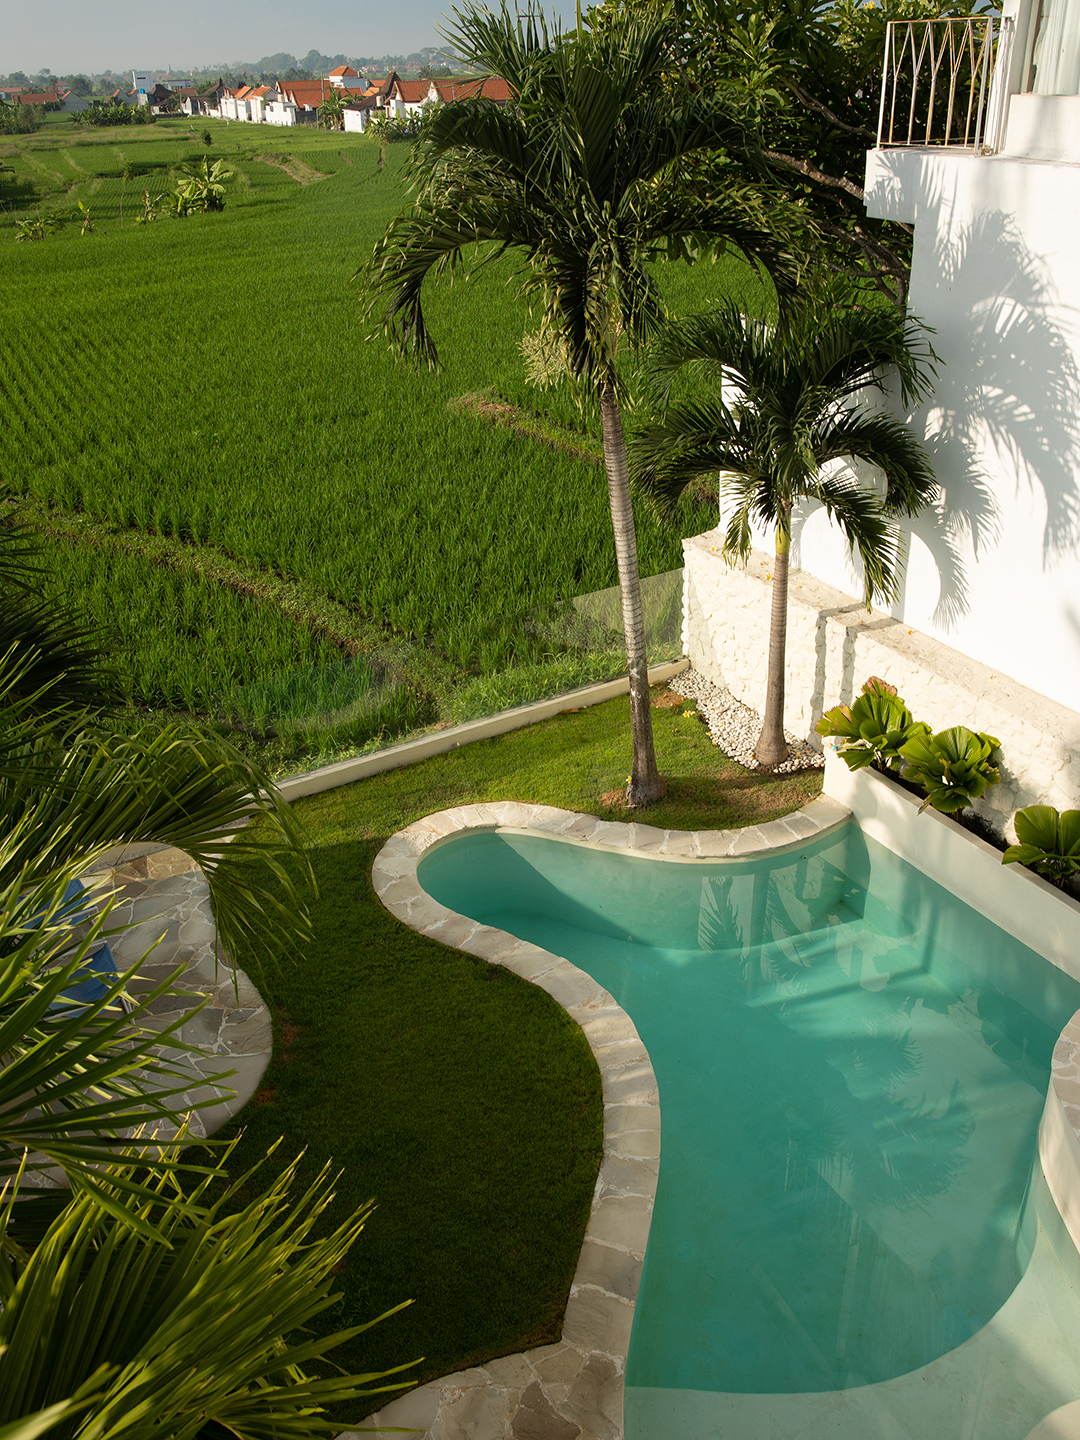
(735, 728)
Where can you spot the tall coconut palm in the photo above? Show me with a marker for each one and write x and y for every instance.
(580, 177)
(781, 435)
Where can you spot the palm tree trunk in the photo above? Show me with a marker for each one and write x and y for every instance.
(646, 783)
(771, 746)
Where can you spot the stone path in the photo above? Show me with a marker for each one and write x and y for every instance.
(165, 898)
(572, 1390)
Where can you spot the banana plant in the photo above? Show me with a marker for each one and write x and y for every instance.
(873, 728)
(954, 766)
(1049, 841)
(202, 187)
(203, 1335)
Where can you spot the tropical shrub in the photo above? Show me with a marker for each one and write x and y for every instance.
(873, 728)
(200, 1335)
(1049, 841)
(202, 187)
(107, 112)
(37, 228)
(402, 127)
(20, 119)
(953, 767)
(149, 204)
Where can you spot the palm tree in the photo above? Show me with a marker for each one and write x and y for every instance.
(581, 177)
(331, 113)
(782, 436)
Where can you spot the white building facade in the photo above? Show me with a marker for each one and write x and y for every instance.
(990, 604)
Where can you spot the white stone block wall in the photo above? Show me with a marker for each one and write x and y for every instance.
(834, 645)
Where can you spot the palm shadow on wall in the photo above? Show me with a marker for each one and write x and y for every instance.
(1010, 384)
(1014, 390)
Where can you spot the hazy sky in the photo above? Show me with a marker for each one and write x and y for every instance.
(71, 36)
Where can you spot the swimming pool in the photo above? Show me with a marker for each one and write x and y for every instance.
(852, 1064)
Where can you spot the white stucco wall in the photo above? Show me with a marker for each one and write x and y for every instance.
(994, 571)
(834, 645)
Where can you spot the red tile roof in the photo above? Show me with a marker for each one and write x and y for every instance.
(345, 70)
(413, 92)
(47, 97)
(494, 87)
(314, 92)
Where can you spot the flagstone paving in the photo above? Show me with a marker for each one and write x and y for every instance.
(165, 899)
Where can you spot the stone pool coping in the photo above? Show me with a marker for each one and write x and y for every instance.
(572, 1390)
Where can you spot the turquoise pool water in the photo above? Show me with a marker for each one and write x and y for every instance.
(852, 1065)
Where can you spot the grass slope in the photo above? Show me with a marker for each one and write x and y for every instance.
(461, 1098)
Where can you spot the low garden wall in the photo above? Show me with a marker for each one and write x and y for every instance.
(834, 645)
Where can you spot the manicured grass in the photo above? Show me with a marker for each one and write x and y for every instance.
(462, 1098)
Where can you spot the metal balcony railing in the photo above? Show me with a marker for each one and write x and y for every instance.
(943, 82)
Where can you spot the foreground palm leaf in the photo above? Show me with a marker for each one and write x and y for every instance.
(77, 1081)
(61, 803)
(581, 178)
(42, 1421)
(53, 659)
(203, 1335)
(784, 434)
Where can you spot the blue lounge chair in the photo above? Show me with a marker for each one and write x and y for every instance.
(91, 982)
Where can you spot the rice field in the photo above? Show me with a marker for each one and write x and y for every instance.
(184, 641)
(213, 380)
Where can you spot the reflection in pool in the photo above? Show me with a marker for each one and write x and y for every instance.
(852, 1065)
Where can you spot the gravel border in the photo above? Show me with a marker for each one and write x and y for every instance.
(735, 727)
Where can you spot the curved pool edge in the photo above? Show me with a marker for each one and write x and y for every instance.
(576, 1385)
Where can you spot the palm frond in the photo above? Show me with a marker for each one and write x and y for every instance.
(208, 1327)
(79, 1080)
(882, 441)
(498, 42)
(866, 527)
(172, 786)
(693, 440)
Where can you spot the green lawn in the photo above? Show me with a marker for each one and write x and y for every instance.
(460, 1097)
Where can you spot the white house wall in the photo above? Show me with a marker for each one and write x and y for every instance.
(995, 571)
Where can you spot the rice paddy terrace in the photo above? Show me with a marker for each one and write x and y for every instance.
(206, 428)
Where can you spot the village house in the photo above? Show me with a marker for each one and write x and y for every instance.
(297, 102)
